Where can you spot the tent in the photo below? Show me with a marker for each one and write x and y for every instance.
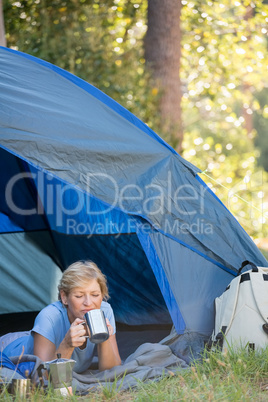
(83, 178)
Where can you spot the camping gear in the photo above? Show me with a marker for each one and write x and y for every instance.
(83, 178)
(20, 387)
(242, 311)
(60, 374)
(20, 367)
(96, 322)
(149, 362)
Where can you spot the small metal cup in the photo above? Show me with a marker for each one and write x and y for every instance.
(21, 387)
(96, 322)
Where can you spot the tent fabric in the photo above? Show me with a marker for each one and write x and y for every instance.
(83, 178)
(29, 275)
(180, 273)
(134, 293)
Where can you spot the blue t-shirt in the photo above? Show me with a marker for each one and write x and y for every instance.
(53, 323)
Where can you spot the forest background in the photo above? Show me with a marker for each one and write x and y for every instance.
(195, 71)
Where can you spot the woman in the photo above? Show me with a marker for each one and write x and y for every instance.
(60, 327)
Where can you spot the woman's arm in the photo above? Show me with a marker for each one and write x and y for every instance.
(108, 354)
(46, 350)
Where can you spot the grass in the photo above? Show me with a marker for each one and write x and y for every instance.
(230, 376)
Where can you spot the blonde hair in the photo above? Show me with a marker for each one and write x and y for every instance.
(79, 274)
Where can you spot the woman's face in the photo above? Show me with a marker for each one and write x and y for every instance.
(82, 299)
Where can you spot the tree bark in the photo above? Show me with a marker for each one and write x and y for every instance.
(246, 88)
(162, 54)
(2, 26)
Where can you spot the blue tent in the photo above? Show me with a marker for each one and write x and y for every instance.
(83, 178)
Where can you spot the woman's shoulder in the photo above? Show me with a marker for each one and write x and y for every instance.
(107, 309)
(105, 306)
(108, 312)
(51, 322)
(52, 310)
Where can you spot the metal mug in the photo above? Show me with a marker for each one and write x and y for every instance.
(21, 387)
(96, 322)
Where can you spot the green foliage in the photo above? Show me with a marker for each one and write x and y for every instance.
(260, 124)
(111, 389)
(224, 69)
(235, 376)
(35, 395)
(239, 375)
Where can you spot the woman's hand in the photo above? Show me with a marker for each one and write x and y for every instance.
(76, 336)
(108, 351)
(110, 328)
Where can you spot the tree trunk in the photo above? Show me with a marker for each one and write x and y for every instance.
(2, 26)
(246, 88)
(162, 54)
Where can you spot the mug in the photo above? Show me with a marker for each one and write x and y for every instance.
(21, 387)
(96, 322)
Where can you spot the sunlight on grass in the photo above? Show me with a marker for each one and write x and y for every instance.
(229, 376)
